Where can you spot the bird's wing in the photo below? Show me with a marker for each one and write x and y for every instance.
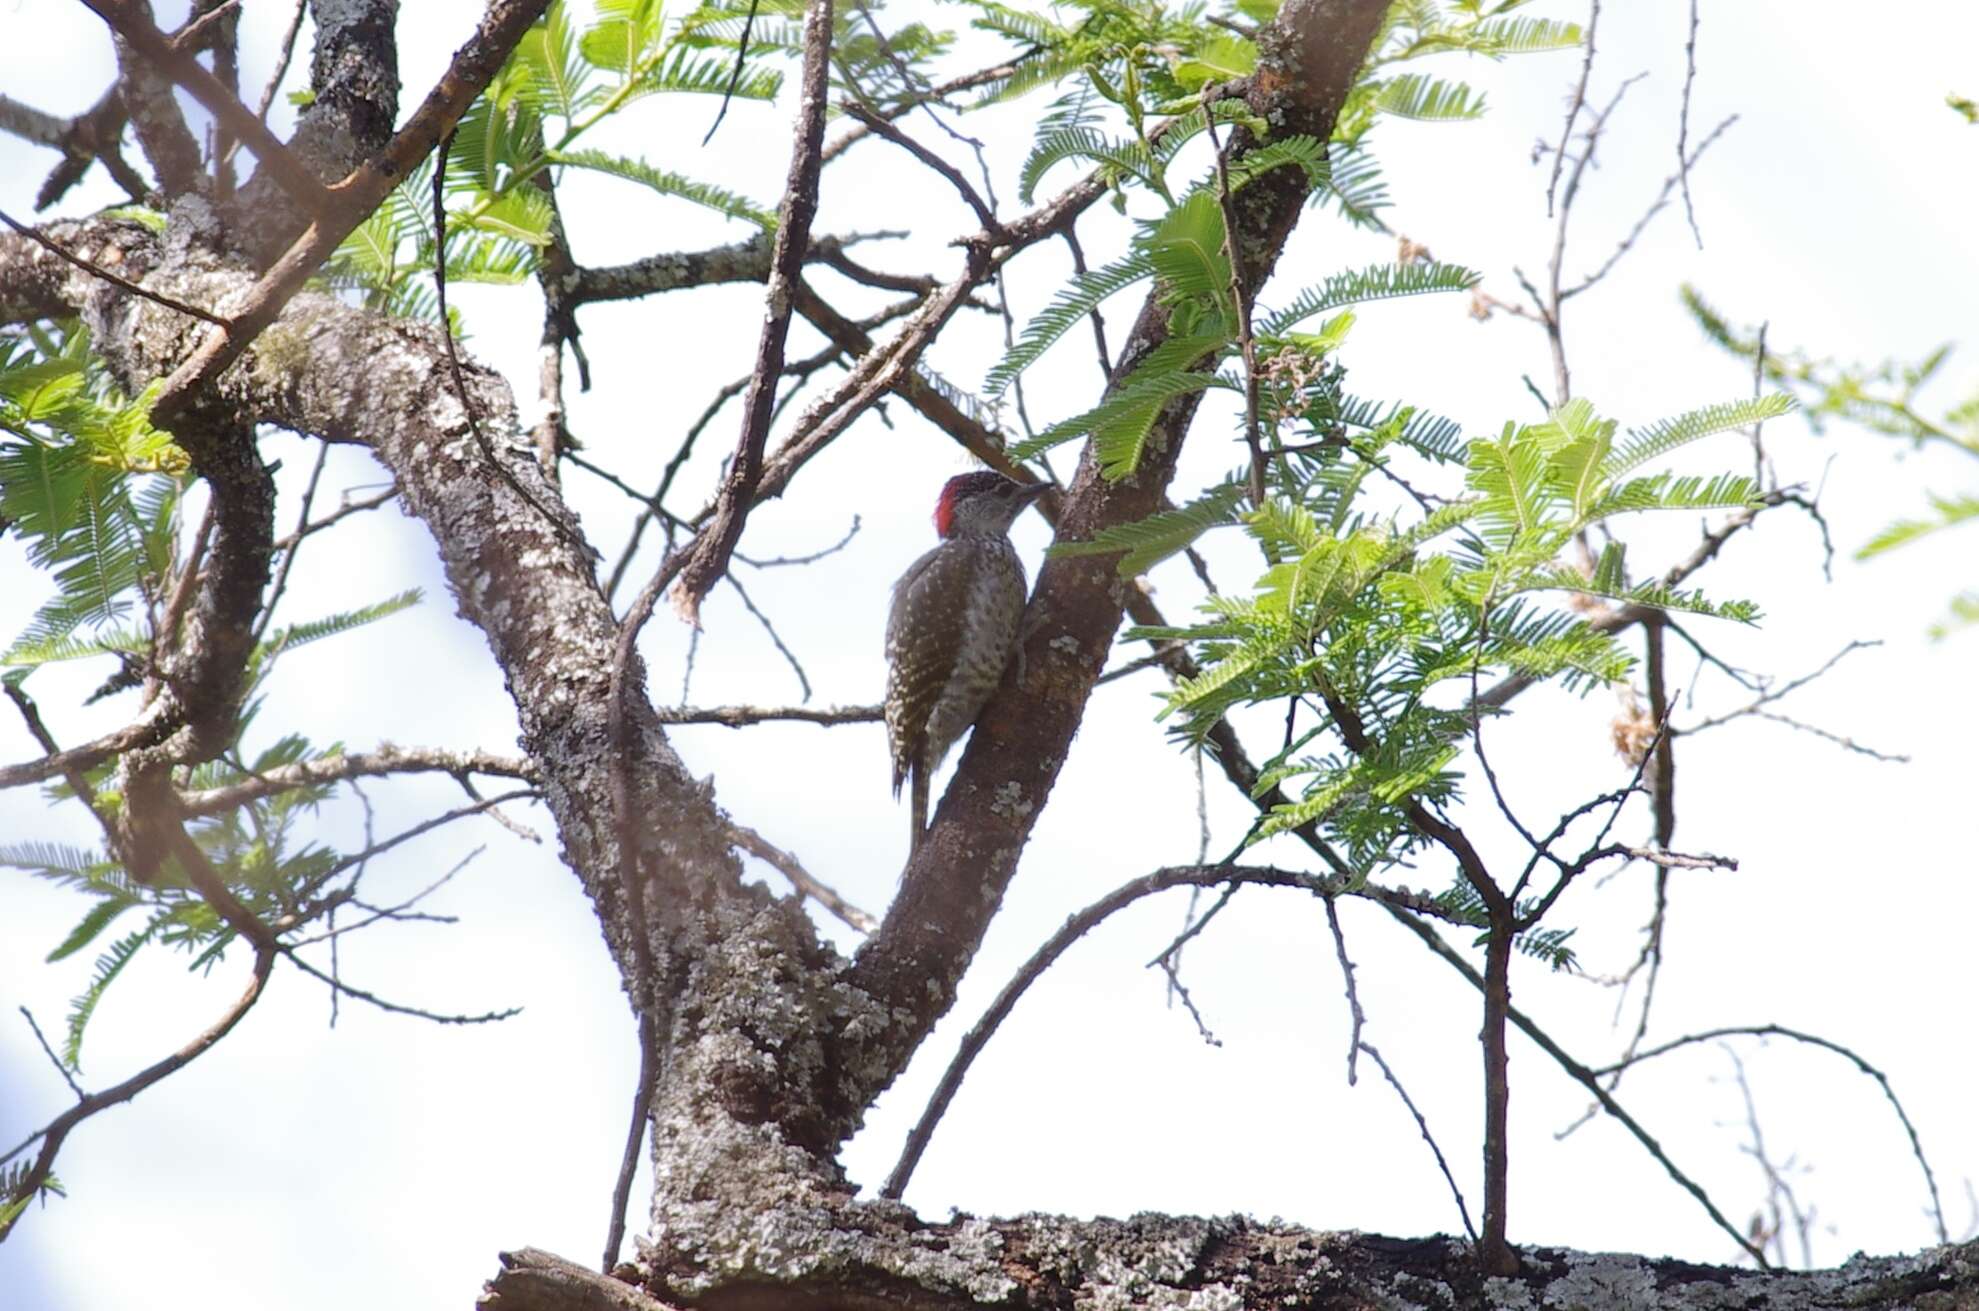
(924, 634)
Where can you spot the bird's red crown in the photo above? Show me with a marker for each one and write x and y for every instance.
(960, 488)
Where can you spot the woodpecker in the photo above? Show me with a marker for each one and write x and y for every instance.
(953, 627)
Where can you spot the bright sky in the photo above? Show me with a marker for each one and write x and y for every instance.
(386, 1161)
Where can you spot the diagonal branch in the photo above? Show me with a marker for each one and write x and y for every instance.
(955, 879)
(131, 20)
(348, 202)
(793, 234)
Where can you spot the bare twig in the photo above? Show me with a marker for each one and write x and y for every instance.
(1683, 125)
(1354, 1011)
(387, 759)
(417, 1012)
(348, 508)
(985, 215)
(1825, 1044)
(790, 658)
(57, 1130)
(130, 20)
(1656, 206)
(786, 864)
(1422, 1125)
(742, 716)
(1574, 105)
(1588, 1079)
(1075, 928)
(348, 202)
(54, 1060)
(1771, 694)
(708, 559)
(1777, 1187)
(728, 94)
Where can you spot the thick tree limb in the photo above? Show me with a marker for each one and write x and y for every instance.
(1158, 1261)
(955, 880)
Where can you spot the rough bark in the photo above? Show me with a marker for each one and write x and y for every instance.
(354, 86)
(1231, 1264)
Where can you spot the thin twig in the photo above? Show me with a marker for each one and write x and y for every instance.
(1574, 105)
(728, 94)
(348, 508)
(788, 865)
(790, 658)
(1422, 1125)
(743, 716)
(1075, 928)
(781, 561)
(880, 127)
(1354, 1011)
(1587, 1078)
(1683, 125)
(98, 271)
(52, 1135)
(1825, 1044)
(60, 1067)
(397, 1008)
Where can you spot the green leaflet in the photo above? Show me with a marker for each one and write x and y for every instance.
(668, 184)
(1147, 542)
(1378, 282)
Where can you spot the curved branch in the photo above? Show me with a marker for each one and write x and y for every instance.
(1074, 928)
(58, 1129)
(1825, 1044)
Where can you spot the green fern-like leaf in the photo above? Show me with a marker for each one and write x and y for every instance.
(335, 625)
(1607, 581)
(1666, 435)
(1308, 154)
(1073, 303)
(669, 184)
(1665, 491)
(58, 649)
(94, 921)
(1416, 96)
(684, 72)
(1525, 36)
(1120, 423)
(521, 215)
(625, 36)
(1950, 511)
(108, 966)
(559, 74)
(1147, 542)
(51, 860)
(1380, 282)
(1187, 249)
(1354, 186)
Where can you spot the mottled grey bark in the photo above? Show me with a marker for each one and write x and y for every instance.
(1181, 1264)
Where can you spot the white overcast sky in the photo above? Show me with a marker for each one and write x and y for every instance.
(387, 1161)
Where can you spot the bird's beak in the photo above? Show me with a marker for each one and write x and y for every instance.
(1032, 491)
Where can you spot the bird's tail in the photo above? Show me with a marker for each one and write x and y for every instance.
(918, 803)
